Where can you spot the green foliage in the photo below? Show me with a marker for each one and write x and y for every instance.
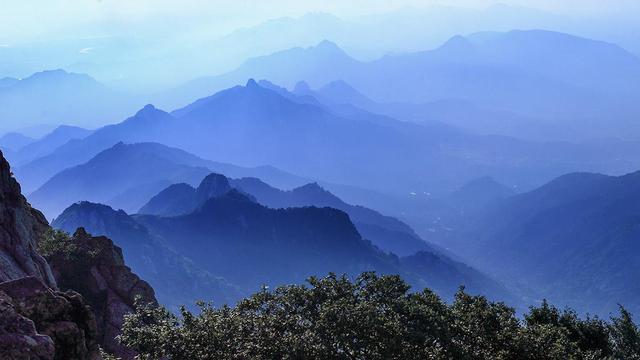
(57, 242)
(106, 356)
(374, 318)
(625, 336)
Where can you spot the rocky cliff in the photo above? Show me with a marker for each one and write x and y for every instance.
(94, 267)
(65, 311)
(20, 228)
(37, 322)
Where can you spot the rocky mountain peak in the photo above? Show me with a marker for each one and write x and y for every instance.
(213, 185)
(21, 227)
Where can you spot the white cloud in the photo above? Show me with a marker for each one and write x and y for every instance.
(86, 50)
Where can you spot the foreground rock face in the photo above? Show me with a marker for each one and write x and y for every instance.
(96, 270)
(37, 322)
(20, 228)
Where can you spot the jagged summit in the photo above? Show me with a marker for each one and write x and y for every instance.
(213, 185)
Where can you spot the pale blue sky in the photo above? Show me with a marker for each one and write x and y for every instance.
(34, 19)
(142, 45)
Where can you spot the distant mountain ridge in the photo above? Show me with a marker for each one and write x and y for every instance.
(14, 141)
(282, 245)
(48, 143)
(56, 95)
(127, 175)
(516, 72)
(261, 125)
(274, 246)
(572, 240)
(387, 233)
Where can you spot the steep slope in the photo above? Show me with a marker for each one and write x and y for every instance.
(37, 320)
(176, 280)
(572, 241)
(22, 227)
(95, 267)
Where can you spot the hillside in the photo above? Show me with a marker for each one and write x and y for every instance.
(572, 240)
(176, 280)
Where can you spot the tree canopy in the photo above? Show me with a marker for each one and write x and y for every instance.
(374, 317)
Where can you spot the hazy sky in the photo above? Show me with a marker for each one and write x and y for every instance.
(143, 45)
(22, 20)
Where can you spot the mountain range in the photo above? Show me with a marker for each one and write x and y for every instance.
(461, 114)
(572, 240)
(387, 233)
(13, 141)
(36, 148)
(516, 71)
(55, 96)
(233, 237)
(126, 176)
(261, 125)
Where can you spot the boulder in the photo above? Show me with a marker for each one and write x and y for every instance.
(37, 322)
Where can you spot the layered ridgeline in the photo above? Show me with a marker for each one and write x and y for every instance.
(385, 232)
(47, 143)
(573, 240)
(126, 176)
(41, 314)
(258, 125)
(228, 233)
(463, 114)
(516, 71)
